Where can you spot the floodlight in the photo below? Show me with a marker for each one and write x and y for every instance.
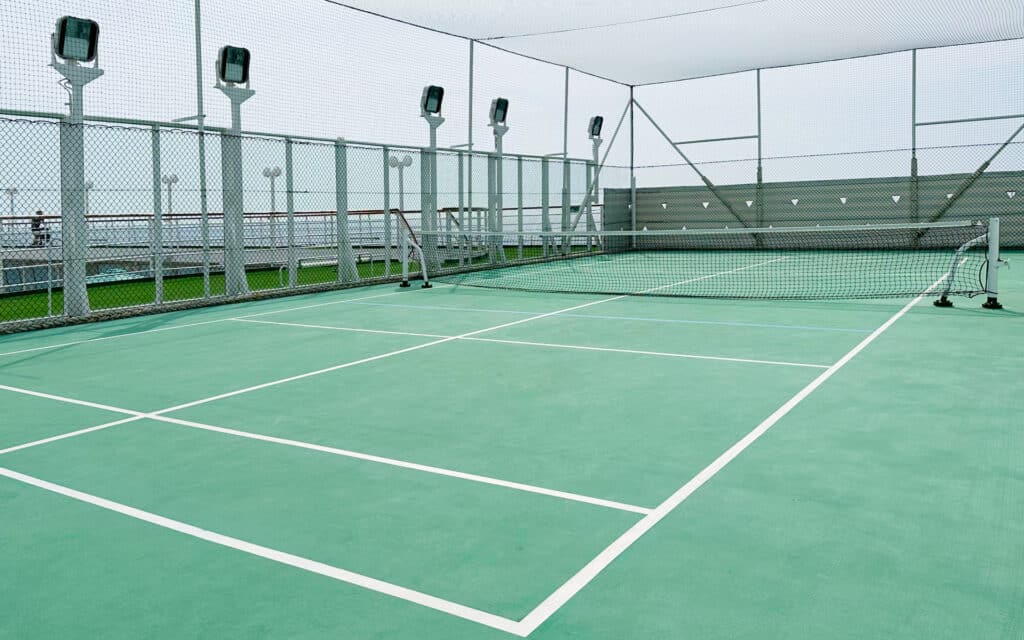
(233, 65)
(499, 111)
(596, 124)
(76, 39)
(433, 96)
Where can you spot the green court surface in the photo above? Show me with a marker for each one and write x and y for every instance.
(461, 462)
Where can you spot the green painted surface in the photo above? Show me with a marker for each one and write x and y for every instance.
(889, 504)
(488, 547)
(26, 419)
(558, 418)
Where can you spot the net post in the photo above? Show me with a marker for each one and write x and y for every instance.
(992, 275)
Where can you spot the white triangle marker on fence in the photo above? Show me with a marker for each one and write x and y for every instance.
(949, 196)
(1011, 194)
(896, 199)
(843, 200)
(750, 203)
(706, 204)
(795, 201)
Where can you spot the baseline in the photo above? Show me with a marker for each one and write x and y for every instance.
(305, 564)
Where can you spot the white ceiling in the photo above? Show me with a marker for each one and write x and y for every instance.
(648, 41)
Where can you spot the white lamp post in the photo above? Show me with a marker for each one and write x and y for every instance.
(11, 192)
(171, 180)
(401, 165)
(88, 187)
(75, 42)
(273, 173)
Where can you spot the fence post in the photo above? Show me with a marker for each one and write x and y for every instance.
(156, 235)
(387, 212)
(346, 260)
(289, 179)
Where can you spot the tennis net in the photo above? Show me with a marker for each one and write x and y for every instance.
(821, 262)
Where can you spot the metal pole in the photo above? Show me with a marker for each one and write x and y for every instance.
(469, 146)
(915, 205)
(519, 207)
(157, 237)
(545, 204)
(462, 209)
(347, 271)
(759, 195)
(566, 197)
(289, 182)
(632, 164)
(204, 213)
(387, 209)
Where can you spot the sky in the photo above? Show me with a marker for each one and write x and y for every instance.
(325, 71)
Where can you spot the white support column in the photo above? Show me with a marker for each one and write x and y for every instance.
(74, 228)
(347, 271)
(289, 186)
(235, 282)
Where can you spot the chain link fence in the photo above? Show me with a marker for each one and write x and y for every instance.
(158, 235)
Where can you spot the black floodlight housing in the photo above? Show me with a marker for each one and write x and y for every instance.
(596, 124)
(233, 65)
(76, 39)
(499, 111)
(433, 96)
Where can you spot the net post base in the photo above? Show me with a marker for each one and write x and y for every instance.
(405, 284)
(992, 303)
(427, 285)
(944, 302)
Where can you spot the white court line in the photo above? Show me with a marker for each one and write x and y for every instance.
(346, 329)
(72, 434)
(649, 353)
(67, 400)
(305, 564)
(119, 335)
(528, 343)
(469, 334)
(439, 471)
(139, 415)
(497, 622)
(184, 326)
(563, 594)
(590, 316)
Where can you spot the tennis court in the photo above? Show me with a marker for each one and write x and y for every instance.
(464, 462)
